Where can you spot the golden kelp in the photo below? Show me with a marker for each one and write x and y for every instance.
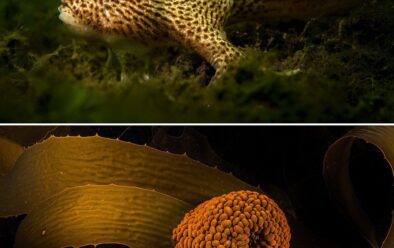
(9, 153)
(336, 174)
(91, 215)
(59, 163)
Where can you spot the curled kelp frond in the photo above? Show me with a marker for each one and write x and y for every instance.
(336, 174)
(58, 163)
(238, 219)
(110, 214)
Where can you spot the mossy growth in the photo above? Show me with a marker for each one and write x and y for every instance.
(329, 69)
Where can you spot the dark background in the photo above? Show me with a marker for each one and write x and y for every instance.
(286, 162)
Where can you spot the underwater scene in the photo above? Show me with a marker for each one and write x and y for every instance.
(196, 61)
(161, 187)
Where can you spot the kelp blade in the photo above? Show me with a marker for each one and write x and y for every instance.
(92, 215)
(336, 174)
(59, 163)
(9, 153)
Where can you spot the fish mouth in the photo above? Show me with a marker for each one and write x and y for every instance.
(72, 21)
(66, 13)
(67, 18)
(64, 6)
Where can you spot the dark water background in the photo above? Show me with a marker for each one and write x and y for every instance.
(48, 76)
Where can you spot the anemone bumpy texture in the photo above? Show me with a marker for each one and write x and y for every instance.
(243, 219)
(196, 24)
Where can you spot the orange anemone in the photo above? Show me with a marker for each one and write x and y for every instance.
(239, 219)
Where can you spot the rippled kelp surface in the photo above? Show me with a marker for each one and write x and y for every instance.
(347, 64)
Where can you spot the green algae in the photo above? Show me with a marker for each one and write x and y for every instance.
(330, 69)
